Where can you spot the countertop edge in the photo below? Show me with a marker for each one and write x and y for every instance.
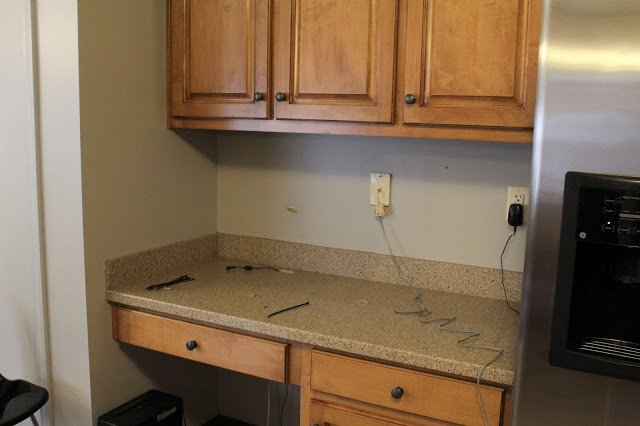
(410, 359)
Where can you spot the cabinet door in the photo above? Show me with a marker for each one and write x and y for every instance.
(324, 415)
(472, 62)
(335, 59)
(219, 58)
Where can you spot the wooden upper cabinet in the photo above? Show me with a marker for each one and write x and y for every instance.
(472, 62)
(218, 58)
(335, 59)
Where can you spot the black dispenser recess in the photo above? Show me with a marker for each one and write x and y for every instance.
(596, 314)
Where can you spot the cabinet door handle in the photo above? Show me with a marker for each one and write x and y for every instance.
(191, 345)
(397, 392)
(410, 99)
(280, 96)
(258, 97)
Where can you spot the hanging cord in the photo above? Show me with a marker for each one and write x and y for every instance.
(403, 274)
(269, 402)
(506, 299)
(418, 308)
(463, 343)
(286, 394)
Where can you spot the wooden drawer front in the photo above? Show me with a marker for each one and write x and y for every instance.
(324, 415)
(233, 351)
(427, 395)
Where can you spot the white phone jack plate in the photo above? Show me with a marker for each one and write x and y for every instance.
(379, 189)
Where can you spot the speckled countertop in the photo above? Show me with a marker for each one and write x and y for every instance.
(344, 314)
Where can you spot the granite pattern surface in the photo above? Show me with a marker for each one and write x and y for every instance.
(145, 265)
(451, 277)
(344, 314)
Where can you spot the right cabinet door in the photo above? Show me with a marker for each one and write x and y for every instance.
(471, 62)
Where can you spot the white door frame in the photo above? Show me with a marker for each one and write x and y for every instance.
(20, 198)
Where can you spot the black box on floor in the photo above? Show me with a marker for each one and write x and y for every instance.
(151, 408)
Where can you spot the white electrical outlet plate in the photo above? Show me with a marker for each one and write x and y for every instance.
(379, 189)
(518, 195)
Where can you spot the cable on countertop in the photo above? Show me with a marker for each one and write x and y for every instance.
(182, 279)
(418, 308)
(288, 309)
(251, 268)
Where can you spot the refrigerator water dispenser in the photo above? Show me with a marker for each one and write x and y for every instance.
(596, 314)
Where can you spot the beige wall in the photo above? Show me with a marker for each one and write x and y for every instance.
(448, 198)
(143, 186)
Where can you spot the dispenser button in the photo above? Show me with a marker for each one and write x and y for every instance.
(610, 200)
(636, 231)
(608, 228)
(609, 210)
(624, 230)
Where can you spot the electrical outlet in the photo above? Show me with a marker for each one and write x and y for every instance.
(518, 195)
(379, 189)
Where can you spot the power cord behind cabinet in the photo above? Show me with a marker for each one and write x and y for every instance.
(419, 309)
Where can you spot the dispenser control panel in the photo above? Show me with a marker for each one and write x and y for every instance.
(609, 216)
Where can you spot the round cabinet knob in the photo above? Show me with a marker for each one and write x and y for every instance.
(315, 424)
(191, 345)
(410, 99)
(397, 393)
(280, 96)
(258, 97)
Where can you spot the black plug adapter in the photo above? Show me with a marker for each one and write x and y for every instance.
(516, 215)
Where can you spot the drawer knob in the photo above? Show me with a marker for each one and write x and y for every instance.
(397, 393)
(315, 424)
(258, 96)
(280, 96)
(191, 345)
(410, 99)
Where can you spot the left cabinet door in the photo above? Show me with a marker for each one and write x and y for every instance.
(219, 58)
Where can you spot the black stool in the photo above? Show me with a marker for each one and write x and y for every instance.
(19, 400)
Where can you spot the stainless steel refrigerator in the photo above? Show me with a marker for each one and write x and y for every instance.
(587, 120)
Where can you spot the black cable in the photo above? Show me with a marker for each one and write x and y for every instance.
(506, 299)
(287, 309)
(286, 394)
(251, 268)
(182, 279)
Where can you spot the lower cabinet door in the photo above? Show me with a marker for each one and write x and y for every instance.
(325, 415)
(426, 395)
